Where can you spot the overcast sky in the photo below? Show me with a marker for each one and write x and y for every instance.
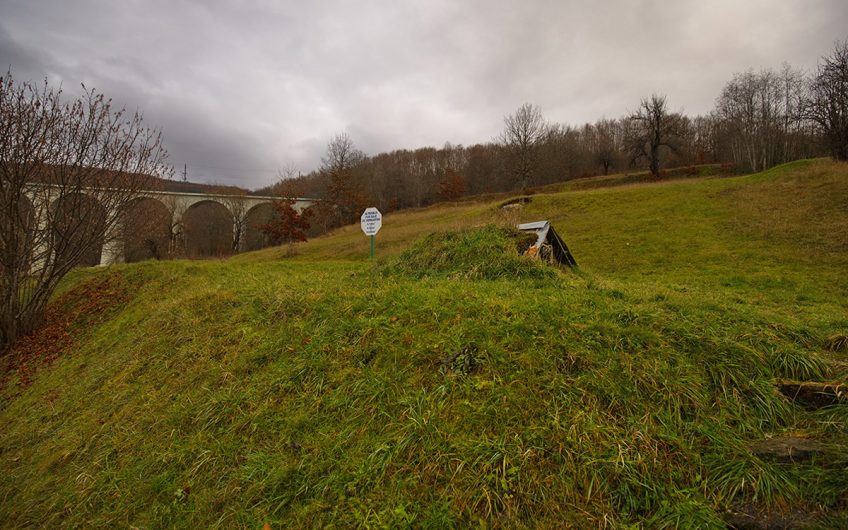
(241, 88)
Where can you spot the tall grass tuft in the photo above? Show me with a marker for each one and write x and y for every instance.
(486, 253)
(837, 343)
(792, 364)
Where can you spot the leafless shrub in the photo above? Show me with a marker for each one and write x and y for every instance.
(70, 170)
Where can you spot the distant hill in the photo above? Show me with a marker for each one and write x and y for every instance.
(197, 187)
(105, 177)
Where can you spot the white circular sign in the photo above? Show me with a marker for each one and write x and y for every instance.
(371, 221)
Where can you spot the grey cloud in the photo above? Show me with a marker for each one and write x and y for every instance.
(243, 88)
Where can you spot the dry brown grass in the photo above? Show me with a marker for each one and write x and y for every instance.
(806, 204)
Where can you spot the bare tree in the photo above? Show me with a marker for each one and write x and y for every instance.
(523, 132)
(288, 172)
(604, 143)
(828, 100)
(792, 122)
(705, 143)
(760, 117)
(560, 155)
(69, 170)
(343, 190)
(176, 225)
(651, 128)
(342, 155)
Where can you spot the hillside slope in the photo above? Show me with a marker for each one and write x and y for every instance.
(322, 389)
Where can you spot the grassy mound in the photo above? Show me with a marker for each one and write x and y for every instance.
(486, 253)
(686, 172)
(306, 392)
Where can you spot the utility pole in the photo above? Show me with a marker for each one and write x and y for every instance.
(185, 172)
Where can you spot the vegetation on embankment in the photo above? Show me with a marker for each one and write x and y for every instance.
(323, 389)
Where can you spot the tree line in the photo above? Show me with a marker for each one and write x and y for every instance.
(761, 118)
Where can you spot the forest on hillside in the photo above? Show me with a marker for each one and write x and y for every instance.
(760, 119)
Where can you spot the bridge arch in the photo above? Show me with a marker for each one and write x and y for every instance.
(146, 230)
(208, 230)
(199, 224)
(254, 237)
(79, 229)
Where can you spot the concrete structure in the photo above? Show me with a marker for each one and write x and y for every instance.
(178, 206)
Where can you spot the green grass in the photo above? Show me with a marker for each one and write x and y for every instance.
(488, 253)
(451, 383)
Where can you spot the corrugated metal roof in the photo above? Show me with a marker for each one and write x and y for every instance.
(534, 226)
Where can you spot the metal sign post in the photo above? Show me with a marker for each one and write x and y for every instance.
(371, 221)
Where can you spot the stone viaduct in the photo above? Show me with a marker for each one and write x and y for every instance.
(202, 224)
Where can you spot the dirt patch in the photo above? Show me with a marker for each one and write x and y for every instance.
(814, 395)
(753, 517)
(464, 361)
(788, 449)
(515, 202)
(66, 319)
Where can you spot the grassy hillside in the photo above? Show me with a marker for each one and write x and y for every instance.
(450, 383)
